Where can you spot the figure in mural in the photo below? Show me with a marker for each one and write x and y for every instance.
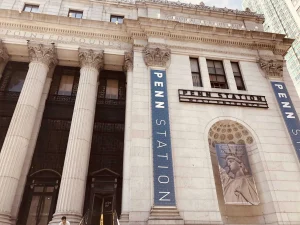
(236, 177)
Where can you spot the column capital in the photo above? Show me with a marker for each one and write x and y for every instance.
(271, 67)
(3, 53)
(157, 55)
(42, 53)
(90, 58)
(128, 61)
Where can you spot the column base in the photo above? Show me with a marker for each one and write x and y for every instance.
(5, 219)
(124, 218)
(165, 215)
(74, 219)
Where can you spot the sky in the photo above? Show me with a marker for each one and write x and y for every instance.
(231, 4)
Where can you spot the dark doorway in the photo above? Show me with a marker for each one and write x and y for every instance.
(40, 198)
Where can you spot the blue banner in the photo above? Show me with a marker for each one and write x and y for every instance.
(288, 112)
(164, 194)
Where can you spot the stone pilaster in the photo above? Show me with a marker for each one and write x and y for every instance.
(15, 146)
(31, 147)
(3, 58)
(128, 68)
(271, 67)
(72, 189)
(229, 75)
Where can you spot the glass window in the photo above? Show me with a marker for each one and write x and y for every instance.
(66, 85)
(112, 89)
(16, 82)
(116, 19)
(238, 76)
(75, 14)
(196, 76)
(216, 74)
(31, 8)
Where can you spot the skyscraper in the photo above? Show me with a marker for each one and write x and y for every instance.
(282, 16)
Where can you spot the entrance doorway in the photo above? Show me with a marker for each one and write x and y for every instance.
(40, 198)
(103, 188)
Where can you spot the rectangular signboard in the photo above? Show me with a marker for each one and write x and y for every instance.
(288, 113)
(164, 194)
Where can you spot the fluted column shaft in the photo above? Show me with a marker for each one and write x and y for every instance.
(31, 147)
(127, 140)
(15, 146)
(72, 189)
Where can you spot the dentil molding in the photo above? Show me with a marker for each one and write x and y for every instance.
(89, 58)
(3, 53)
(157, 55)
(42, 53)
(272, 67)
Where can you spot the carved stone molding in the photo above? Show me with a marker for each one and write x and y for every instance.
(90, 58)
(42, 53)
(3, 53)
(271, 67)
(157, 55)
(128, 61)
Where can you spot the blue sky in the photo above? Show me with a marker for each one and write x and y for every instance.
(231, 4)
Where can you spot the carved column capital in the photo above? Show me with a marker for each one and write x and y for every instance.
(157, 55)
(271, 67)
(128, 61)
(90, 58)
(3, 53)
(43, 54)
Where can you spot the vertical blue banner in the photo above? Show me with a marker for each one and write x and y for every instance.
(288, 112)
(164, 194)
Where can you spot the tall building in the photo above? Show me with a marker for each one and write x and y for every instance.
(147, 112)
(282, 16)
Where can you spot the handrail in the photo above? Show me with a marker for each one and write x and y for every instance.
(85, 218)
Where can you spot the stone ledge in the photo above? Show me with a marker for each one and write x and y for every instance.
(165, 215)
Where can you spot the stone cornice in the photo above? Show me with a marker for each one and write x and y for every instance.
(143, 28)
(272, 67)
(44, 54)
(3, 53)
(201, 8)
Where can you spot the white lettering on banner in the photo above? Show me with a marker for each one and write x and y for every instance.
(296, 132)
(163, 197)
(159, 94)
(156, 121)
(163, 179)
(160, 105)
(286, 105)
(290, 115)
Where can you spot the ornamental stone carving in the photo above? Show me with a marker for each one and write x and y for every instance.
(271, 67)
(90, 58)
(42, 53)
(157, 56)
(3, 53)
(128, 61)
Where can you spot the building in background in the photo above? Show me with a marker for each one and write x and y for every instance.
(116, 108)
(282, 16)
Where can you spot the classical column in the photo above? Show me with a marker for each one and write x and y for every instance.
(15, 146)
(72, 189)
(128, 67)
(164, 210)
(272, 67)
(31, 147)
(3, 58)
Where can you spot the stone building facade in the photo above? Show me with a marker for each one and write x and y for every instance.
(115, 108)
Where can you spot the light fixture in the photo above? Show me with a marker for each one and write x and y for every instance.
(174, 17)
(117, 22)
(229, 25)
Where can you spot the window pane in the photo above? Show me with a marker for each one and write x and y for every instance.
(120, 19)
(218, 64)
(17, 80)
(210, 63)
(113, 19)
(71, 14)
(79, 15)
(235, 67)
(196, 80)
(220, 71)
(27, 9)
(66, 85)
(213, 78)
(194, 65)
(237, 74)
(211, 70)
(112, 87)
(35, 9)
(220, 78)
